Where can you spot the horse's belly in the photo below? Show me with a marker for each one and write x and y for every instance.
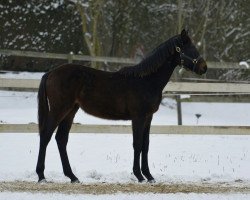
(107, 109)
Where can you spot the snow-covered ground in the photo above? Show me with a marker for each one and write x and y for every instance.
(97, 158)
(108, 158)
(181, 196)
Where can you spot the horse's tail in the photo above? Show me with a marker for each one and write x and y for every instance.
(43, 106)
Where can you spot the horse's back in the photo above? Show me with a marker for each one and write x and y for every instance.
(97, 92)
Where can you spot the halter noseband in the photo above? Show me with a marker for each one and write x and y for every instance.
(182, 56)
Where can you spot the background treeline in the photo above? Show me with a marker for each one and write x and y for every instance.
(220, 29)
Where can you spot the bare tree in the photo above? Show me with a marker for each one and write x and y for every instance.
(90, 13)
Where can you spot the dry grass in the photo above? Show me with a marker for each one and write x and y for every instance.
(110, 188)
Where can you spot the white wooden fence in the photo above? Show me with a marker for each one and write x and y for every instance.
(124, 129)
(174, 87)
(171, 87)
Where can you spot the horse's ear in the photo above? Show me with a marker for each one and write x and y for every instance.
(184, 36)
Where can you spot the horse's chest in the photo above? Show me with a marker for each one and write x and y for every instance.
(147, 103)
(152, 105)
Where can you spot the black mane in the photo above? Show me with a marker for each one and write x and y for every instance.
(153, 61)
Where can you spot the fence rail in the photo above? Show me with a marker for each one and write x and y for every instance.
(178, 87)
(123, 129)
(70, 57)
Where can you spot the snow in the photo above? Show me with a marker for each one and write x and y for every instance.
(108, 158)
(97, 158)
(244, 63)
(21, 75)
(56, 196)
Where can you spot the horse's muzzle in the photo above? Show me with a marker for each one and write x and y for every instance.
(202, 66)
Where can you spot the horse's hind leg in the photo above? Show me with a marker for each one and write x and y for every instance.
(138, 128)
(144, 160)
(45, 137)
(62, 140)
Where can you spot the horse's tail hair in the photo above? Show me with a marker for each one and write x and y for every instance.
(43, 106)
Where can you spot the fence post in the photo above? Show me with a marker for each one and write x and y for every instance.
(70, 57)
(178, 100)
(179, 112)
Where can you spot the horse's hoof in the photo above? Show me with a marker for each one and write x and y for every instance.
(75, 181)
(142, 181)
(41, 181)
(151, 181)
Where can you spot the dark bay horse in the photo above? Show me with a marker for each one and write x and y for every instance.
(132, 93)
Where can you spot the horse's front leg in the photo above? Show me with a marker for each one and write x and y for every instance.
(145, 146)
(138, 129)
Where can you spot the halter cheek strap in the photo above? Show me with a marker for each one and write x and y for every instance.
(182, 56)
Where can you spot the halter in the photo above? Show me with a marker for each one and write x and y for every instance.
(182, 56)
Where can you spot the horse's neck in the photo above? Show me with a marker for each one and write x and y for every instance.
(163, 75)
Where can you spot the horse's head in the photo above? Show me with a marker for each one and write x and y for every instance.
(189, 56)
